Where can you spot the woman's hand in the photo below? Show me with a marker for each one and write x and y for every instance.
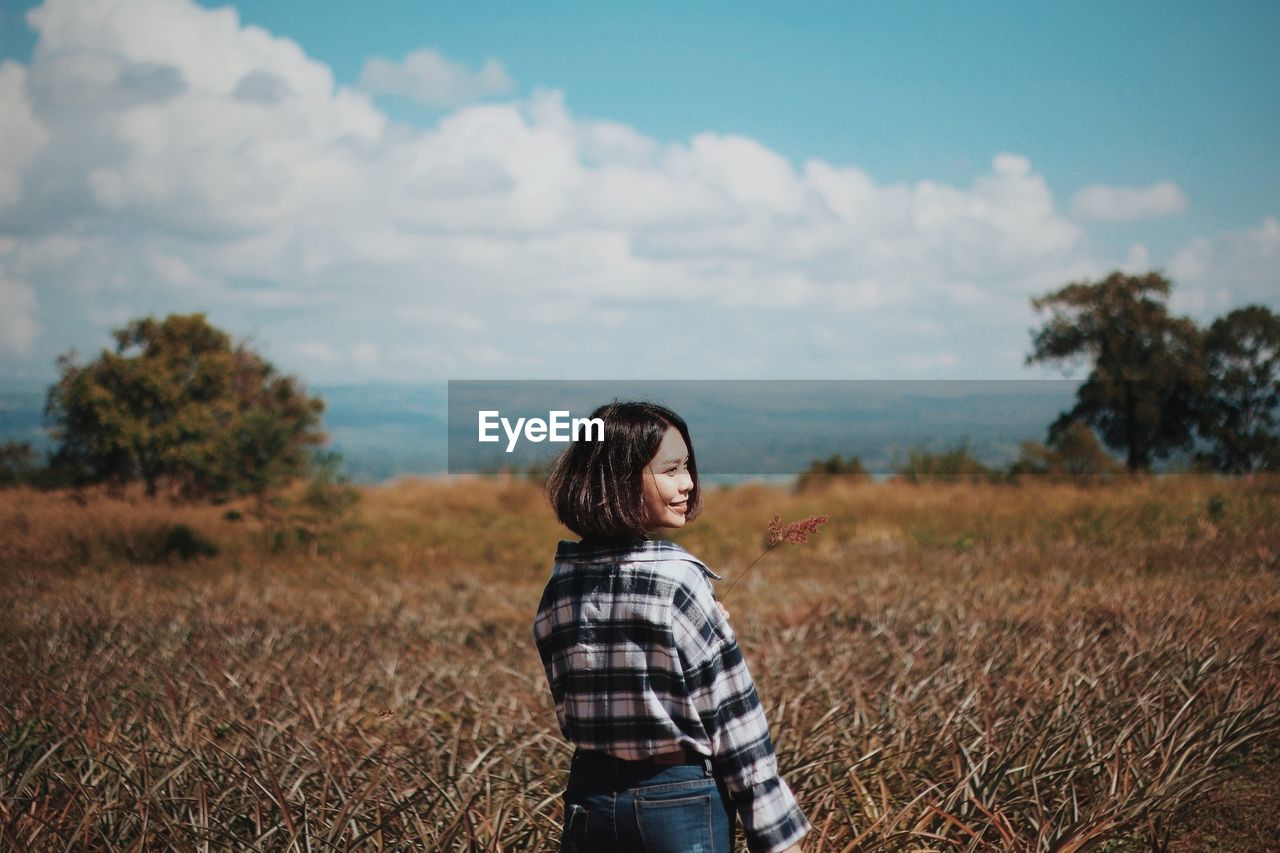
(726, 618)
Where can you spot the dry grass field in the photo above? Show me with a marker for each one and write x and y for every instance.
(1034, 667)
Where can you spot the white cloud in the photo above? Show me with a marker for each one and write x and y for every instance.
(21, 134)
(1102, 203)
(1137, 260)
(18, 326)
(365, 354)
(931, 363)
(218, 168)
(430, 79)
(316, 353)
(1192, 262)
(1228, 269)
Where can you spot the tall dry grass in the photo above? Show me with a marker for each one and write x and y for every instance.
(945, 667)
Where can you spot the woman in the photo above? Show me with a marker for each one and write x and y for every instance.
(646, 674)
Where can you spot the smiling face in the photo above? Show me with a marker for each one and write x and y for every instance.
(667, 483)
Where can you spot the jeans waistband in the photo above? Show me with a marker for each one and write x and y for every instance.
(624, 773)
(684, 755)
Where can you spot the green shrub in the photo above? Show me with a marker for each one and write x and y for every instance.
(822, 472)
(955, 465)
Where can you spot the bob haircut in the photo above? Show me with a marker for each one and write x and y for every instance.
(596, 487)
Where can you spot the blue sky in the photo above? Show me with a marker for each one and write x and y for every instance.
(578, 190)
(1108, 92)
(1127, 93)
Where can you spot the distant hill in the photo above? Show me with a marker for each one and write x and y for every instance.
(384, 431)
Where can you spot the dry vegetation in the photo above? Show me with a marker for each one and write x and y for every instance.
(945, 667)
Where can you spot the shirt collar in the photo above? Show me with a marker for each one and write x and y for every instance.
(643, 550)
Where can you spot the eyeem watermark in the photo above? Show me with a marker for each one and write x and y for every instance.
(758, 427)
(557, 427)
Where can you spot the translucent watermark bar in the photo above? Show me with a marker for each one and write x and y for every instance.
(759, 428)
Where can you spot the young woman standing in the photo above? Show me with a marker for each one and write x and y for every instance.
(648, 681)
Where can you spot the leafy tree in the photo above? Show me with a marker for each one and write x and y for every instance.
(1074, 453)
(177, 404)
(18, 462)
(1238, 415)
(1142, 391)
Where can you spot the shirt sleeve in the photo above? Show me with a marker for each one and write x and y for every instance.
(722, 691)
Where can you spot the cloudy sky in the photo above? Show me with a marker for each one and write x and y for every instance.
(403, 191)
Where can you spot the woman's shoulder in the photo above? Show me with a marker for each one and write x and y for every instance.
(661, 554)
(670, 551)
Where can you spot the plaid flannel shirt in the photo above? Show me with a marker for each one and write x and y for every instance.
(641, 661)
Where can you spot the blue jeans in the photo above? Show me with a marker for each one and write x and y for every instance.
(618, 806)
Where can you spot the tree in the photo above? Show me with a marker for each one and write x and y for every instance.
(1147, 374)
(955, 465)
(823, 472)
(1074, 454)
(1238, 415)
(177, 404)
(18, 462)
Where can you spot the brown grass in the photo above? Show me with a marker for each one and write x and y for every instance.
(967, 667)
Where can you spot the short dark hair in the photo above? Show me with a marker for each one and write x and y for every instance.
(596, 487)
